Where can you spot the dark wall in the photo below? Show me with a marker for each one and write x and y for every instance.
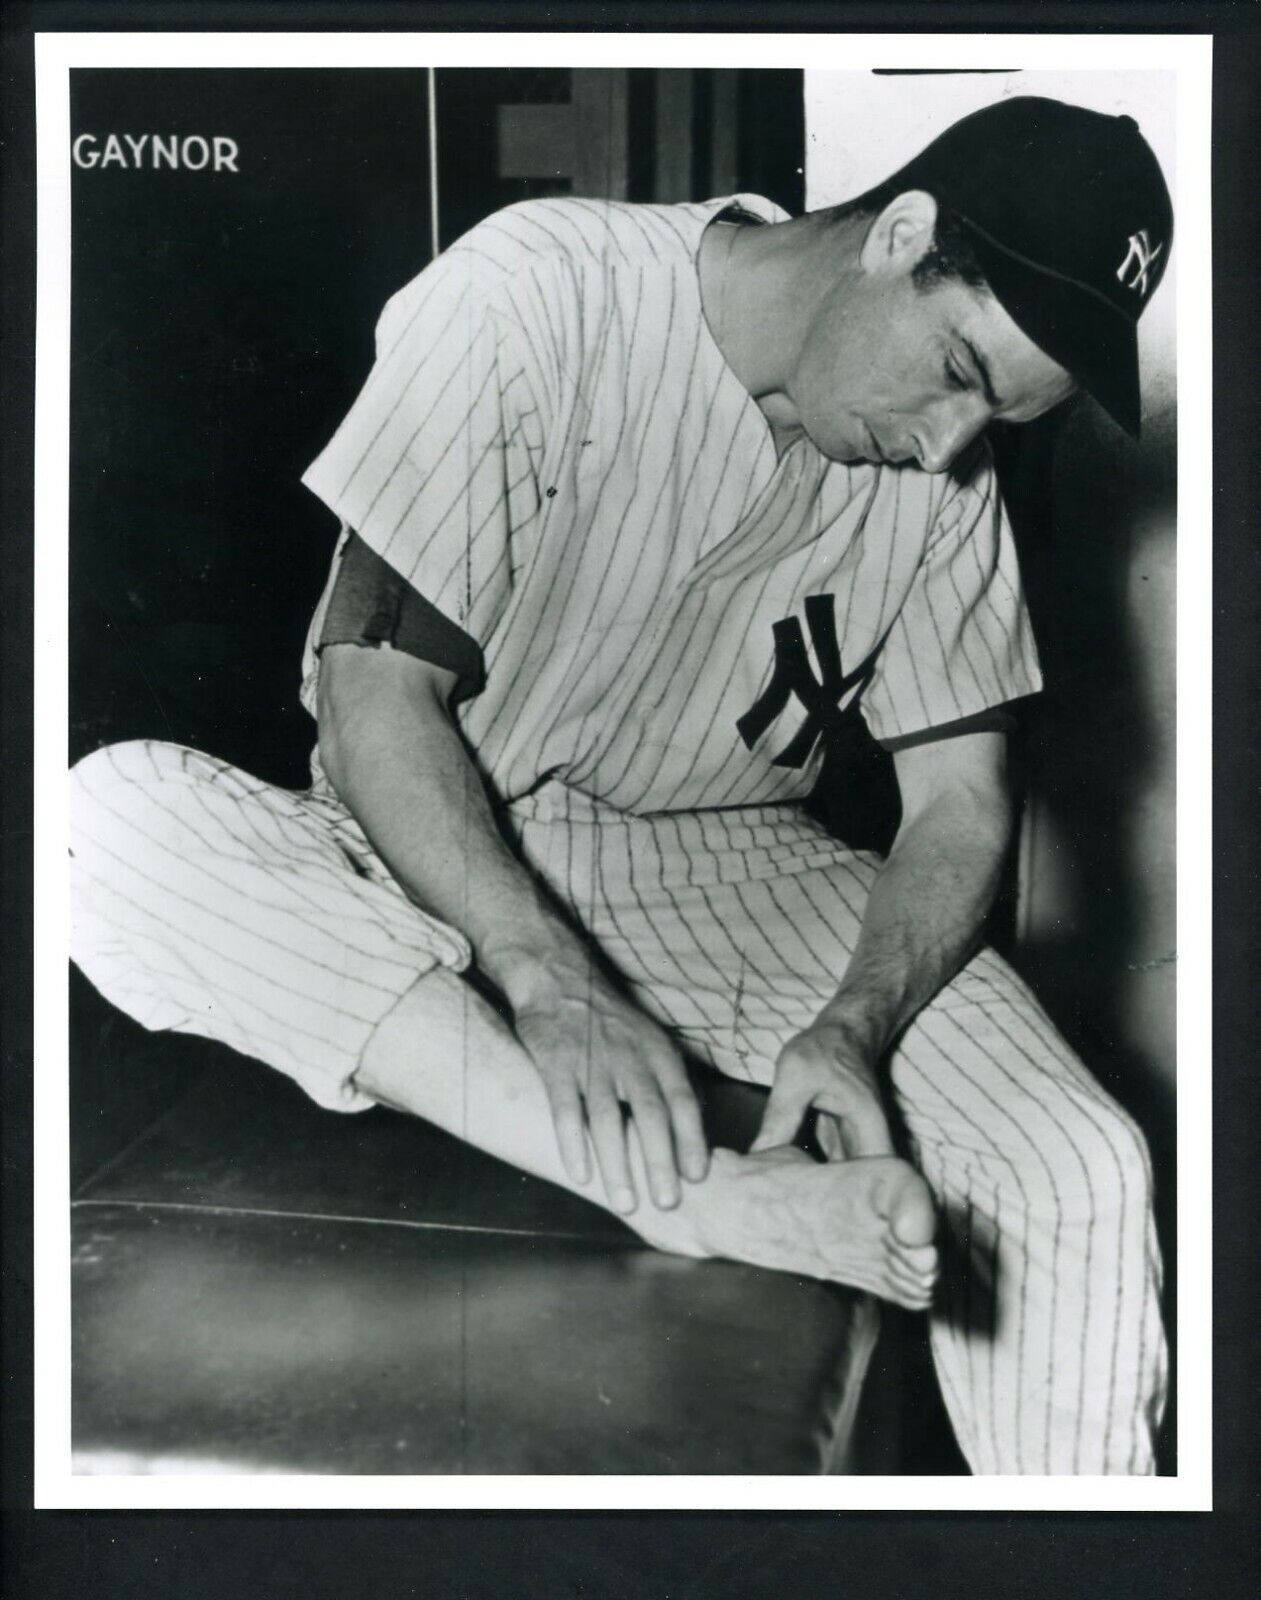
(222, 322)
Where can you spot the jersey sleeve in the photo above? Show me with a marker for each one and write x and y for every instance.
(431, 467)
(962, 641)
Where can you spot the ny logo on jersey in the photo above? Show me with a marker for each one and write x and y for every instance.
(1132, 273)
(793, 676)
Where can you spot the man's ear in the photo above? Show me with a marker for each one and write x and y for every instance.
(901, 235)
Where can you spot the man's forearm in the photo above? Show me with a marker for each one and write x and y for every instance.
(393, 754)
(924, 915)
(397, 760)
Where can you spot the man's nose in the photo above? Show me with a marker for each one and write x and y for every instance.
(947, 432)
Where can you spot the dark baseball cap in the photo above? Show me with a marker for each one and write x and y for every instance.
(1072, 224)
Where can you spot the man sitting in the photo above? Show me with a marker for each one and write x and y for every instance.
(639, 505)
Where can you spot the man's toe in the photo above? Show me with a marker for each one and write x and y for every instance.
(921, 1259)
(909, 1209)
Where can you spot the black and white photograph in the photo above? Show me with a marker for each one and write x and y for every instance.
(616, 844)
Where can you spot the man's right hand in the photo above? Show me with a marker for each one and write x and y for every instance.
(595, 1051)
(393, 754)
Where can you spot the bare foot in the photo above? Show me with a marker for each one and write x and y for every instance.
(867, 1223)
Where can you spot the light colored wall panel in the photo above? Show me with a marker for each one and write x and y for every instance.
(1098, 888)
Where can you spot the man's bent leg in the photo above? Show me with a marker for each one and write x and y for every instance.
(1047, 1336)
(444, 1054)
(209, 902)
(206, 901)
(1042, 1180)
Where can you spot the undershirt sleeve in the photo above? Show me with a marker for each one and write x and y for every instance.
(372, 605)
(994, 720)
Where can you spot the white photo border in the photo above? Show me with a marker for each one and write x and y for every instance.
(1189, 58)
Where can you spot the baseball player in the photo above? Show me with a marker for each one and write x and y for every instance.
(640, 506)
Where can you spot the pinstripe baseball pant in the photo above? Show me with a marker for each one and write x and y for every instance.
(210, 902)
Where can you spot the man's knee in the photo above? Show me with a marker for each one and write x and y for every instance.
(116, 783)
(135, 764)
(1096, 1167)
(110, 787)
(135, 827)
(1121, 1169)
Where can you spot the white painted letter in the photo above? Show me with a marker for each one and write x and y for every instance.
(169, 155)
(82, 157)
(226, 153)
(113, 152)
(137, 147)
(195, 139)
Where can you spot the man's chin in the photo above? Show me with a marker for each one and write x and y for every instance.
(858, 450)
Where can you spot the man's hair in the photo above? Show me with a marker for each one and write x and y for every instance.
(949, 259)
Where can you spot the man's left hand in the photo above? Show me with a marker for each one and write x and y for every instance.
(824, 1069)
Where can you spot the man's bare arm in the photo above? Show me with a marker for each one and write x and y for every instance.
(395, 757)
(923, 920)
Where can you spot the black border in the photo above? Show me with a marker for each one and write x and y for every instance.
(683, 1556)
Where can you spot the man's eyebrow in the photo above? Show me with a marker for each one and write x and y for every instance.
(987, 382)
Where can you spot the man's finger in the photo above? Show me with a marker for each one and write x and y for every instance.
(831, 1137)
(568, 1118)
(691, 1151)
(689, 1133)
(866, 1130)
(658, 1147)
(608, 1134)
(571, 1129)
(780, 1121)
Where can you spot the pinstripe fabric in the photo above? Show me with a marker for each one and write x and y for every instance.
(734, 931)
(208, 902)
(551, 448)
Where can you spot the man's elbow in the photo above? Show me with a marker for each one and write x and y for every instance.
(980, 805)
(974, 807)
(988, 798)
(958, 776)
(370, 700)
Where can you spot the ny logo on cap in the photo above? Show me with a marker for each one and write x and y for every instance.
(1138, 261)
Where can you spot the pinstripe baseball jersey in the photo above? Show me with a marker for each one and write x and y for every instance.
(553, 451)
